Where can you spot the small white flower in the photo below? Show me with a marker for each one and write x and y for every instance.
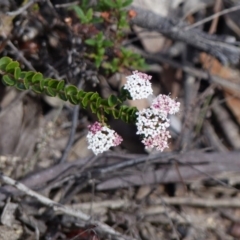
(101, 138)
(138, 85)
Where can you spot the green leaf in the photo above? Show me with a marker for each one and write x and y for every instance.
(112, 101)
(89, 14)
(91, 42)
(4, 61)
(123, 110)
(11, 66)
(8, 80)
(125, 52)
(61, 85)
(99, 37)
(81, 94)
(51, 92)
(127, 3)
(85, 102)
(127, 119)
(26, 83)
(42, 83)
(115, 113)
(53, 83)
(107, 43)
(98, 61)
(79, 12)
(118, 3)
(36, 89)
(94, 97)
(73, 99)
(29, 75)
(28, 79)
(17, 72)
(86, 99)
(106, 110)
(109, 3)
(131, 110)
(37, 77)
(99, 102)
(93, 107)
(23, 74)
(20, 86)
(71, 89)
(101, 52)
(62, 96)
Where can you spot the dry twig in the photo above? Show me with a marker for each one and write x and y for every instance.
(22, 9)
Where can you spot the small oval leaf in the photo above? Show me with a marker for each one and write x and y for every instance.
(11, 66)
(112, 101)
(61, 85)
(36, 89)
(8, 80)
(37, 77)
(20, 86)
(71, 89)
(4, 61)
(17, 72)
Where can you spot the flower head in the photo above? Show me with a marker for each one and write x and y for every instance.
(159, 141)
(101, 138)
(149, 123)
(165, 105)
(152, 123)
(138, 85)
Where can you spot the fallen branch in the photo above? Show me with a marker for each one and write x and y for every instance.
(187, 201)
(200, 202)
(22, 9)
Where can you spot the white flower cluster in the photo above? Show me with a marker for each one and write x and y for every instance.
(138, 85)
(152, 123)
(101, 138)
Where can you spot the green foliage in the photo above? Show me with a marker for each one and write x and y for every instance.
(127, 59)
(117, 17)
(84, 17)
(12, 75)
(99, 44)
(107, 5)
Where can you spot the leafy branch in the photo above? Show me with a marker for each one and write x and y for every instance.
(12, 75)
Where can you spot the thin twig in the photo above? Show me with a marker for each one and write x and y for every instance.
(73, 129)
(217, 8)
(200, 202)
(22, 9)
(72, 134)
(104, 228)
(218, 14)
